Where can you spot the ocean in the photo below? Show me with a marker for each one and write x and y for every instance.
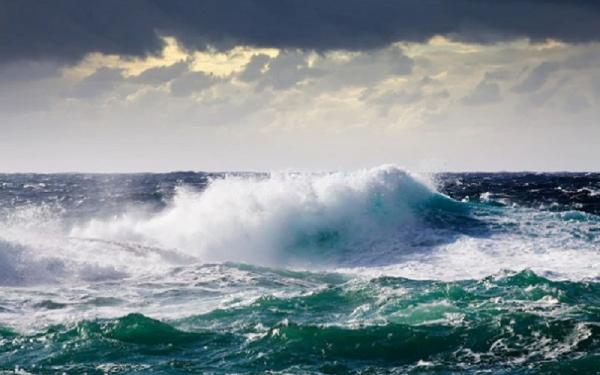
(376, 271)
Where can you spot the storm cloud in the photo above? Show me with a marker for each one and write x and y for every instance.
(67, 30)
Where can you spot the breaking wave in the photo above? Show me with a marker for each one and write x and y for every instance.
(373, 271)
(380, 221)
(294, 218)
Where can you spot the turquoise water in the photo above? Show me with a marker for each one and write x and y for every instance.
(373, 272)
(330, 323)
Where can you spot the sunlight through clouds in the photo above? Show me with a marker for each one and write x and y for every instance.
(409, 88)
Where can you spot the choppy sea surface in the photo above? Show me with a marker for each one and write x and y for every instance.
(377, 271)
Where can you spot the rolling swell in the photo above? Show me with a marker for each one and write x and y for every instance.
(503, 323)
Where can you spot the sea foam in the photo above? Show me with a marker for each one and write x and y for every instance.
(283, 217)
(379, 221)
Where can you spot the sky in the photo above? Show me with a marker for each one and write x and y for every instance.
(260, 85)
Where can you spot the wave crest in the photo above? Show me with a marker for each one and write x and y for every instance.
(287, 218)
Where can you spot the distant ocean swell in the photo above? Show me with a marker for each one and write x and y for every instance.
(373, 271)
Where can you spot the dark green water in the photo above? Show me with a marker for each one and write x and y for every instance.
(513, 323)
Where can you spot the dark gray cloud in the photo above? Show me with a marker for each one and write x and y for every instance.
(66, 30)
(253, 70)
(537, 77)
(100, 82)
(286, 70)
(291, 68)
(586, 60)
(27, 71)
(191, 82)
(484, 93)
(365, 69)
(393, 98)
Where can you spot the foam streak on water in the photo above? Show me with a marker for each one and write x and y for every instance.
(375, 271)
